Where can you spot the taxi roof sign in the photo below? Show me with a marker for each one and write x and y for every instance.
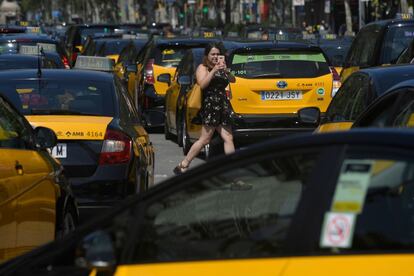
(29, 50)
(95, 63)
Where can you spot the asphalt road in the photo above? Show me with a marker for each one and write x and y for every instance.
(167, 155)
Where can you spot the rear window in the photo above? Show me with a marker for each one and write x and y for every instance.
(169, 57)
(278, 64)
(60, 97)
(396, 40)
(85, 32)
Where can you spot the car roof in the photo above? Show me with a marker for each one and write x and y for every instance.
(388, 22)
(25, 74)
(268, 45)
(386, 77)
(406, 83)
(27, 38)
(184, 41)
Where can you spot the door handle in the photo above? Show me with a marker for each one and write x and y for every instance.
(19, 168)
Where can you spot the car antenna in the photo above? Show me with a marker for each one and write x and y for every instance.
(39, 61)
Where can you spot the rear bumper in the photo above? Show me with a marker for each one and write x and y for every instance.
(255, 128)
(107, 186)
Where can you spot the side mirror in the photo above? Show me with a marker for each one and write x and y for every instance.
(184, 80)
(131, 68)
(309, 115)
(166, 78)
(44, 138)
(97, 252)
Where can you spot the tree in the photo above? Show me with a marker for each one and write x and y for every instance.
(348, 17)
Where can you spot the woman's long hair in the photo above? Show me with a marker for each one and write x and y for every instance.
(207, 49)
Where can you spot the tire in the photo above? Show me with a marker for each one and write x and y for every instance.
(67, 223)
(185, 139)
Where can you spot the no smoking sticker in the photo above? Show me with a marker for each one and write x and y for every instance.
(338, 230)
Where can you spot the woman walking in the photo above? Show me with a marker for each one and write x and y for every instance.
(212, 76)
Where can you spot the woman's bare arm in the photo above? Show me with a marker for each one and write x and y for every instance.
(204, 76)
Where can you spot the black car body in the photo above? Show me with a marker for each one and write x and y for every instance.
(102, 145)
(259, 205)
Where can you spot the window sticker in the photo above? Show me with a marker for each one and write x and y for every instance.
(243, 58)
(338, 230)
(352, 186)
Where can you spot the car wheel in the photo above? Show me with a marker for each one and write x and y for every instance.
(185, 139)
(67, 222)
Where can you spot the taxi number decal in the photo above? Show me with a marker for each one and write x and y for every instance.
(94, 134)
(281, 95)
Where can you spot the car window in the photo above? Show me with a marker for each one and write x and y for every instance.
(364, 47)
(404, 117)
(14, 132)
(396, 40)
(372, 205)
(169, 56)
(126, 104)
(59, 96)
(279, 64)
(244, 211)
(349, 99)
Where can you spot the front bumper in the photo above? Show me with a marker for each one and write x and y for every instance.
(255, 128)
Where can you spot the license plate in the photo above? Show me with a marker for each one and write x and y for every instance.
(281, 95)
(59, 151)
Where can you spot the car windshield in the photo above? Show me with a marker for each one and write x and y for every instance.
(283, 64)
(60, 97)
(85, 32)
(397, 39)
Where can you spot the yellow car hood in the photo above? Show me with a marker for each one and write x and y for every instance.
(382, 265)
(73, 127)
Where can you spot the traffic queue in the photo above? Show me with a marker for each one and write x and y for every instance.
(292, 199)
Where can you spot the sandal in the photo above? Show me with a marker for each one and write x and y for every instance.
(180, 169)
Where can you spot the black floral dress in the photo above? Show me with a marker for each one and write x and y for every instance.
(215, 109)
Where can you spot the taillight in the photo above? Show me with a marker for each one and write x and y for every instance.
(116, 148)
(149, 72)
(336, 81)
(74, 57)
(65, 62)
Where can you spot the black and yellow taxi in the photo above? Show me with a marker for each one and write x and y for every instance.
(106, 153)
(36, 201)
(14, 42)
(159, 56)
(77, 34)
(259, 211)
(273, 81)
(378, 43)
(393, 109)
(356, 94)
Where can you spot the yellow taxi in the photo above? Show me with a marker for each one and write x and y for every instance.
(159, 56)
(273, 81)
(338, 203)
(356, 94)
(105, 151)
(36, 201)
(378, 43)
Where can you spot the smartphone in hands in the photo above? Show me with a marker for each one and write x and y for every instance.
(220, 60)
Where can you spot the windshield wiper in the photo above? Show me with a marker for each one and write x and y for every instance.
(36, 111)
(268, 75)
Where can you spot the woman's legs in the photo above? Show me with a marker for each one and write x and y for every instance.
(205, 137)
(227, 136)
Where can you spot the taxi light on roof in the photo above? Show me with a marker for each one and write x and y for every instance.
(29, 50)
(95, 63)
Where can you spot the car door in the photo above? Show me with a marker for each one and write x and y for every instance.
(28, 192)
(368, 223)
(242, 209)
